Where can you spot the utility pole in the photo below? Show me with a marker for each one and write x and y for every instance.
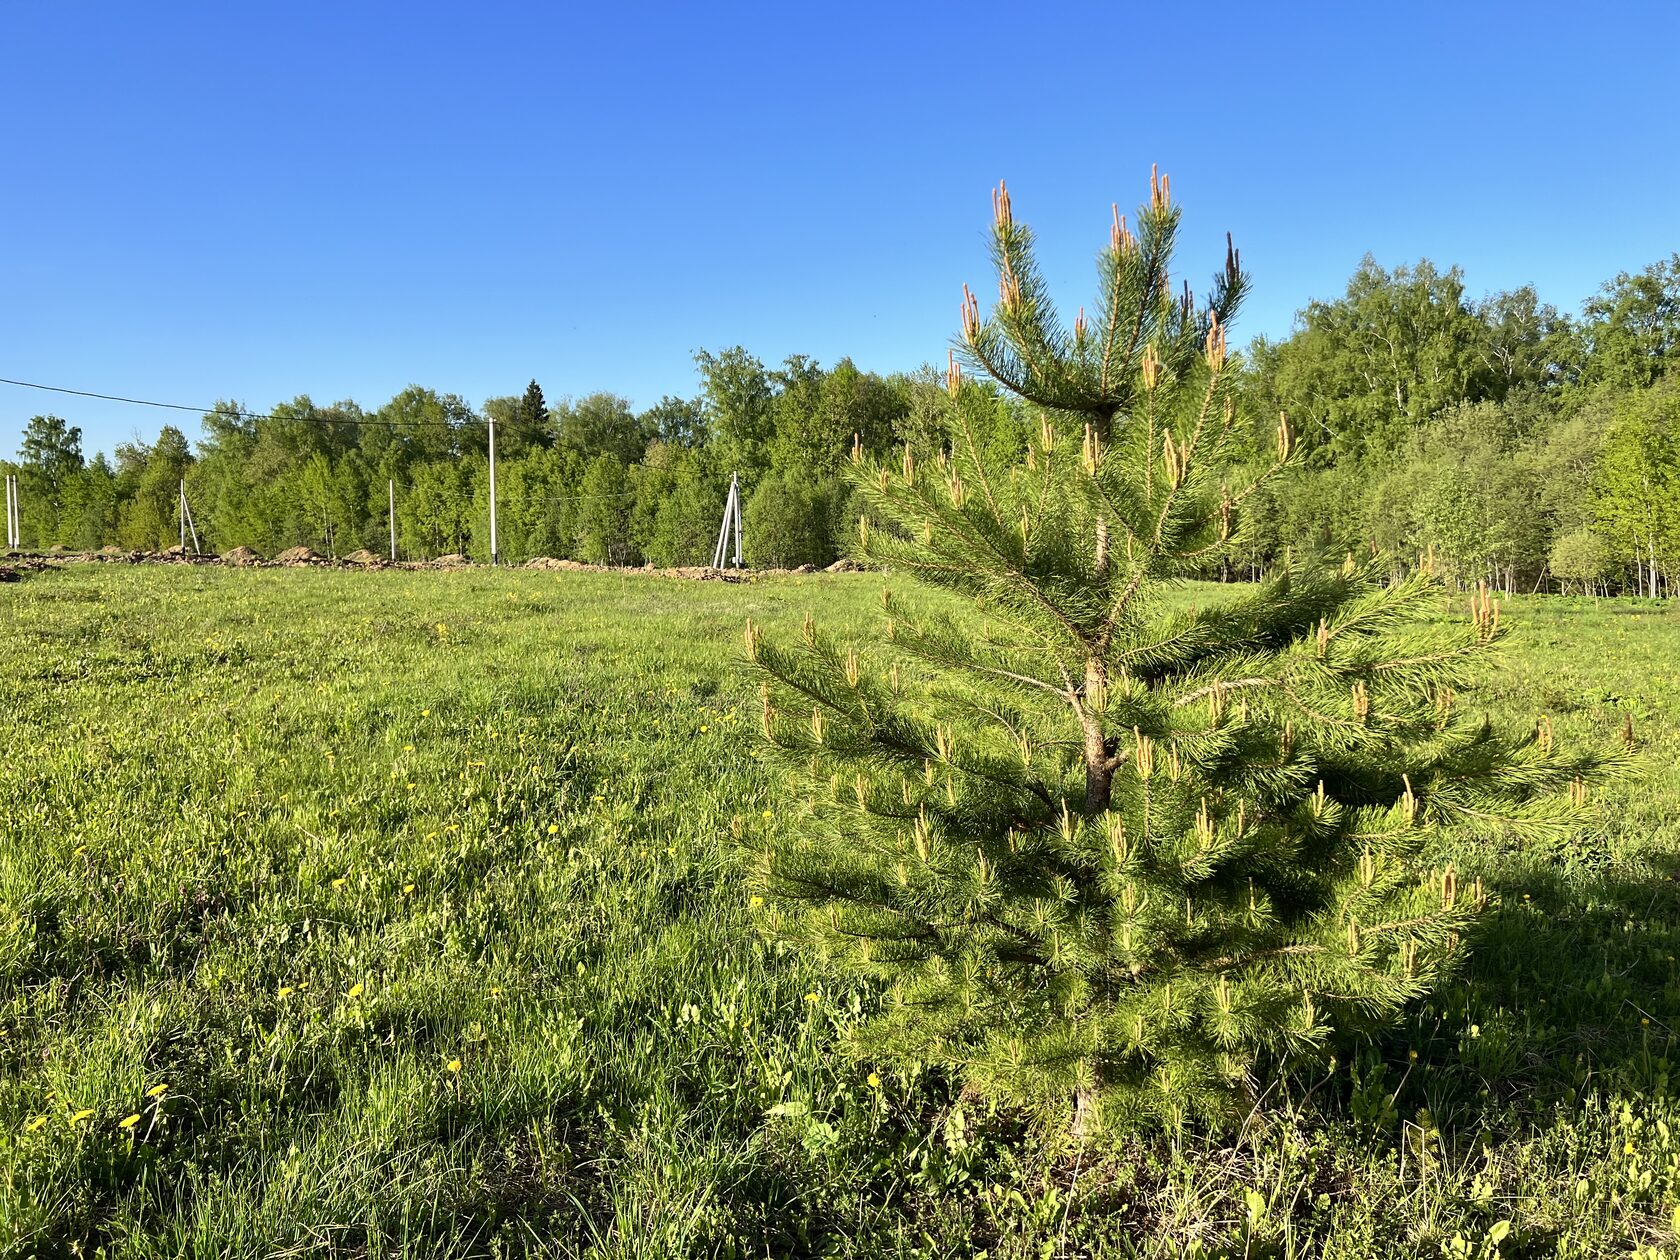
(391, 516)
(186, 509)
(183, 516)
(492, 490)
(731, 527)
(11, 513)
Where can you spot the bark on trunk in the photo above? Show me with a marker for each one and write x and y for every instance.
(1099, 770)
(1084, 1113)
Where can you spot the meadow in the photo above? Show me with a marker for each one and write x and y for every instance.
(401, 914)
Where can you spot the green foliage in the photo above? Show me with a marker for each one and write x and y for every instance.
(1581, 557)
(605, 500)
(1631, 328)
(788, 521)
(1108, 855)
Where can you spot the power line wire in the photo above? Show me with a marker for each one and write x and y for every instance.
(234, 411)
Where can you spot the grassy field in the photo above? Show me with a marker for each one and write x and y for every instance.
(400, 914)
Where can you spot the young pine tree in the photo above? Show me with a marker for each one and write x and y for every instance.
(1103, 849)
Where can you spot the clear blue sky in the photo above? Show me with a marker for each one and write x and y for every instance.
(255, 200)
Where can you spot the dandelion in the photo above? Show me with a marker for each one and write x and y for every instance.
(81, 1115)
(769, 815)
(285, 992)
(128, 1122)
(355, 991)
(425, 713)
(874, 1081)
(34, 1124)
(1411, 1055)
(157, 1091)
(408, 747)
(755, 902)
(813, 997)
(553, 829)
(495, 990)
(454, 1066)
(339, 882)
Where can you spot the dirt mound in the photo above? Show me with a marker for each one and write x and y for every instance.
(569, 566)
(177, 552)
(844, 566)
(454, 560)
(365, 558)
(110, 551)
(298, 555)
(241, 556)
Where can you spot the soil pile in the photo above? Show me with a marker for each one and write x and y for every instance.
(241, 556)
(454, 560)
(298, 556)
(365, 558)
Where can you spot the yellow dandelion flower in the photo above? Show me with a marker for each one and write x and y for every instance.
(128, 1122)
(81, 1115)
(1412, 1055)
(285, 992)
(769, 815)
(34, 1123)
(553, 829)
(339, 882)
(874, 1081)
(495, 990)
(157, 1091)
(355, 990)
(755, 902)
(408, 888)
(425, 713)
(454, 1065)
(704, 729)
(1628, 1149)
(813, 997)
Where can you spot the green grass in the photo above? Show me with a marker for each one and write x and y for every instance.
(297, 845)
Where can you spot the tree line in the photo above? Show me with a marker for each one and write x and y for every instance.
(1498, 439)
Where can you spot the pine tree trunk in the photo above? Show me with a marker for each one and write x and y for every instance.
(1084, 1113)
(1099, 770)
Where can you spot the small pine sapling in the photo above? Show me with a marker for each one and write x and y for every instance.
(1102, 851)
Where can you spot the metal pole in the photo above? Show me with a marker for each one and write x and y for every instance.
(391, 515)
(191, 525)
(723, 529)
(11, 529)
(735, 493)
(183, 515)
(492, 490)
